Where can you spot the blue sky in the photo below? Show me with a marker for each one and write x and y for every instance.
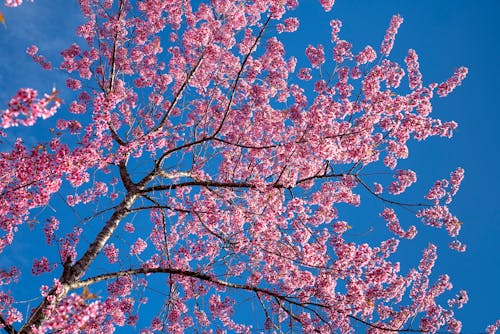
(446, 34)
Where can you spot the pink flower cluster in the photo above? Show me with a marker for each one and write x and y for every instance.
(327, 4)
(39, 59)
(138, 247)
(492, 329)
(73, 314)
(393, 224)
(460, 299)
(25, 108)
(438, 216)
(335, 25)
(304, 74)
(455, 80)
(440, 188)
(129, 227)
(11, 314)
(73, 84)
(51, 225)
(13, 3)
(42, 266)
(8, 276)
(414, 75)
(456, 178)
(74, 59)
(367, 55)
(289, 25)
(390, 35)
(67, 245)
(111, 253)
(404, 179)
(342, 51)
(87, 196)
(457, 245)
(315, 55)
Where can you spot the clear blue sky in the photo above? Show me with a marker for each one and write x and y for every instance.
(445, 33)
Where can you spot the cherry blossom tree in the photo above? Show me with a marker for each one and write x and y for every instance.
(208, 169)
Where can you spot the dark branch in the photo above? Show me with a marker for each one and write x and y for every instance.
(6, 327)
(212, 279)
(219, 184)
(388, 200)
(238, 76)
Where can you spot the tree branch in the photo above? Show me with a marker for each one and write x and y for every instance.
(6, 327)
(74, 272)
(238, 76)
(388, 200)
(210, 183)
(112, 75)
(216, 281)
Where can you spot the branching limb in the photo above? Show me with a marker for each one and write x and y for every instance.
(112, 76)
(388, 200)
(238, 76)
(72, 273)
(6, 327)
(210, 183)
(280, 298)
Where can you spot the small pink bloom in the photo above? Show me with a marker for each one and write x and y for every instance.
(138, 247)
(390, 35)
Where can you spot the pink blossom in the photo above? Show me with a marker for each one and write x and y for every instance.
(404, 179)
(111, 253)
(428, 260)
(367, 55)
(458, 246)
(390, 35)
(356, 72)
(42, 266)
(335, 25)
(327, 4)
(77, 108)
(341, 51)
(49, 229)
(492, 329)
(393, 224)
(449, 85)
(440, 215)
(13, 3)
(73, 84)
(32, 50)
(414, 75)
(304, 74)
(289, 25)
(390, 161)
(41, 60)
(438, 191)
(340, 227)
(129, 227)
(67, 245)
(25, 107)
(456, 178)
(316, 55)
(138, 247)
(460, 300)
(9, 276)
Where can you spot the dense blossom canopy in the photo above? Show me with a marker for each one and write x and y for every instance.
(225, 166)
